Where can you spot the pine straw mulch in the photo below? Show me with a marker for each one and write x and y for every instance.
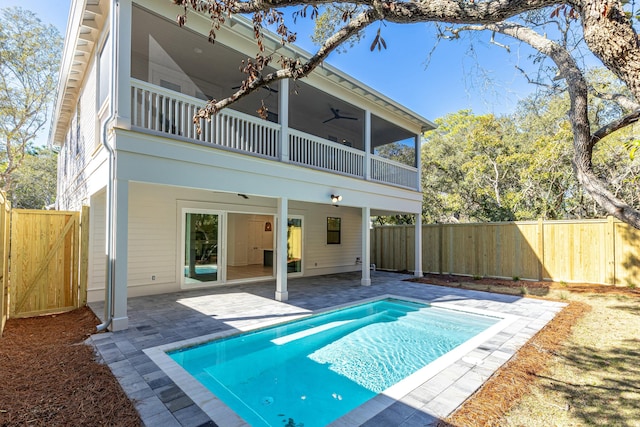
(489, 404)
(51, 378)
(532, 288)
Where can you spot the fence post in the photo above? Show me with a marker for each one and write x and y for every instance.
(441, 248)
(540, 251)
(5, 232)
(610, 251)
(84, 257)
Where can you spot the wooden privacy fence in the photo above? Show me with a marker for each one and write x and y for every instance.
(48, 268)
(5, 217)
(590, 251)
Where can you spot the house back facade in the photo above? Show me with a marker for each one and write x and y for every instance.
(245, 199)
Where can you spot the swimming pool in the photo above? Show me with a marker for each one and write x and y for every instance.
(314, 370)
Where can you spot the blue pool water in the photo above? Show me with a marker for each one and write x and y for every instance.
(312, 371)
(203, 269)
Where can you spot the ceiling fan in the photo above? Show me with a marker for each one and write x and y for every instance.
(337, 116)
(267, 88)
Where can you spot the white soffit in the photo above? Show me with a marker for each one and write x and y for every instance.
(86, 19)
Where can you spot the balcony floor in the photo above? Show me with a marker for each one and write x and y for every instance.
(168, 318)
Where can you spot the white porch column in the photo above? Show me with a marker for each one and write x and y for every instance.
(366, 247)
(283, 119)
(281, 250)
(367, 145)
(122, 43)
(120, 255)
(418, 246)
(419, 161)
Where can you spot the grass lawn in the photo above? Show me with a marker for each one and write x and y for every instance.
(582, 369)
(594, 377)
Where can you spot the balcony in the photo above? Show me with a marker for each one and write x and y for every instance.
(159, 110)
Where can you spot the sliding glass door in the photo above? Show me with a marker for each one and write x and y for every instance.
(201, 247)
(294, 246)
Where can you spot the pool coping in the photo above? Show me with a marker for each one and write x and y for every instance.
(407, 390)
(172, 317)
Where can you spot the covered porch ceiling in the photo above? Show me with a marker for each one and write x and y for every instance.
(214, 71)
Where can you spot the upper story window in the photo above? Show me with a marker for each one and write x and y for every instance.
(104, 66)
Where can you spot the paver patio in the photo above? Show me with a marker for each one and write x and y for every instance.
(164, 319)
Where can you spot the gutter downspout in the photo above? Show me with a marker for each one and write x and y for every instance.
(110, 208)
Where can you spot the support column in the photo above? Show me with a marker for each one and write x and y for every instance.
(367, 145)
(418, 246)
(366, 247)
(120, 255)
(419, 161)
(281, 250)
(122, 43)
(283, 119)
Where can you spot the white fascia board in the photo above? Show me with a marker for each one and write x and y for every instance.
(237, 34)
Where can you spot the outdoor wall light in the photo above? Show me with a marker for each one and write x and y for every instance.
(335, 198)
(267, 226)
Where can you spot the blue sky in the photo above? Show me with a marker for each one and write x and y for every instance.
(485, 80)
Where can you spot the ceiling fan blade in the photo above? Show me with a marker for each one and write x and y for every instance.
(328, 120)
(348, 118)
(263, 87)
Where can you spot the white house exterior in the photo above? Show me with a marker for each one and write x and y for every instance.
(245, 200)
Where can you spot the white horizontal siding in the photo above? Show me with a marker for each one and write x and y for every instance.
(323, 258)
(97, 242)
(152, 235)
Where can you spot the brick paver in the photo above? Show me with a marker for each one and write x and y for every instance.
(163, 319)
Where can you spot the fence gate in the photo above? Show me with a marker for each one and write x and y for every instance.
(45, 262)
(5, 217)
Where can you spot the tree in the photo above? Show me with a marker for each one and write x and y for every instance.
(482, 168)
(607, 31)
(29, 60)
(33, 184)
(471, 169)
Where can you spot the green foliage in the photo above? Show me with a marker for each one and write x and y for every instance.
(518, 167)
(633, 146)
(29, 61)
(399, 152)
(33, 185)
(470, 164)
(328, 22)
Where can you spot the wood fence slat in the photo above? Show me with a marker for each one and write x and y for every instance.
(5, 233)
(45, 263)
(47, 243)
(84, 257)
(590, 251)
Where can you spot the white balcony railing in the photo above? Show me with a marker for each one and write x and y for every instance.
(167, 111)
(391, 172)
(309, 150)
(161, 110)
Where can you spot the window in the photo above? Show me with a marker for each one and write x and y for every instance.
(78, 138)
(333, 231)
(104, 63)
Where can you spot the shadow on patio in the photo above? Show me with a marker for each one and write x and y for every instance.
(168, 318)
